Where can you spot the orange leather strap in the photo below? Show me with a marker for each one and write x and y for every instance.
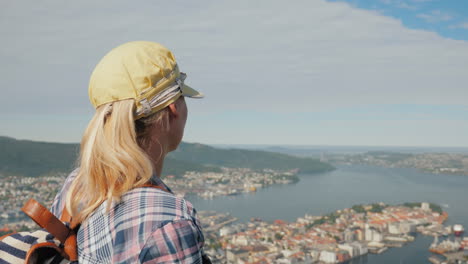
(66, 217)
(45, 219)
(70, 246)
(155, 186)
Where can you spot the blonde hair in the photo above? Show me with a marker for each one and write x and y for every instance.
(112, 157)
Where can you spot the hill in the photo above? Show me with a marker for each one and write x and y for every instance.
(240, 158)
(32, 158)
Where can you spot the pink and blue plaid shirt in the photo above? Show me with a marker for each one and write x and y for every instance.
(148, 225)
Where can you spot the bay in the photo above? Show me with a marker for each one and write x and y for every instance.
(349, 185)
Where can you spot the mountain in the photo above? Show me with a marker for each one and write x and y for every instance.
(32, 158)
(241, 158)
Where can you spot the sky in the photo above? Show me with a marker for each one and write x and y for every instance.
(305, 72)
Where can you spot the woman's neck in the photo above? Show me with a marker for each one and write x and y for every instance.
(157, 152)
(158, 165)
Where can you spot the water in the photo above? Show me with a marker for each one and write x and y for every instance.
(349, 185)
(317, 150)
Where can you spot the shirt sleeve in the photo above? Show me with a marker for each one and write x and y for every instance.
(59, 201)
(178, 241)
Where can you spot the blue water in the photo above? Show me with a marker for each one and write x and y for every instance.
(349, 185)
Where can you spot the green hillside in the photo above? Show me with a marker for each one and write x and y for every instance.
(203, 154)
(31, 158)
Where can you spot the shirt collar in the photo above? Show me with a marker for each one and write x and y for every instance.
(157, 181)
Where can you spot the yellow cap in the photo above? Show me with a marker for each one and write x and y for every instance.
(142, 70)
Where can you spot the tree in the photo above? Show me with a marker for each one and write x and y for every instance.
(376, 208)
(278, 236)
(358, 208)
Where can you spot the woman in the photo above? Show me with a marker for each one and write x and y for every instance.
(138, 93)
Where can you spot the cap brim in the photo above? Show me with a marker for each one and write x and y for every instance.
(188, 91)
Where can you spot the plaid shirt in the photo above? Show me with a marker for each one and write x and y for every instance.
(148, 225)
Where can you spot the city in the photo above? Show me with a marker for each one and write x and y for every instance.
(332, 238)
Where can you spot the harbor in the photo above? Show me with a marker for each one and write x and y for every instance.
(451, 249)
(348, 186)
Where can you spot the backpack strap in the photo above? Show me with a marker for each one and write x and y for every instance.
(45, 219)
(67, 236)
(66, 217)
(155, 186)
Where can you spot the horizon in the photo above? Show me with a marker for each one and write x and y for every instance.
(291, 146)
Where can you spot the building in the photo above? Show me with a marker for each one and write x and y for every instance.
(234, 255)
(342, 256)
(328, 256)
(371, 234)
(348, 248)
(359, 249)
(349, 235)
(394, 228)
(226, 230)
(425, 206)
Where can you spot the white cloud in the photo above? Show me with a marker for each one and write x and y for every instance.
(406, 6)
(435, 16)
(461, 25)
(303, 55)
(272, 56)
(387, 2)
(399, 4)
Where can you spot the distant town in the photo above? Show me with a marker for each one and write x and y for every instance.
(15, 191)
(231, 181)
(439, 163)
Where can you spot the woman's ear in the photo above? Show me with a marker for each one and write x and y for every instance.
(173, 110)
